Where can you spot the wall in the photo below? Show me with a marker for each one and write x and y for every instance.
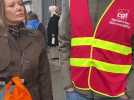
(37, 7)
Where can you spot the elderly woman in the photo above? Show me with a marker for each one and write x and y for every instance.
(22, 51)
(52, 29)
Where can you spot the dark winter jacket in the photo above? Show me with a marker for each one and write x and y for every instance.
(22, 52)
(52, 30)
(35, 24)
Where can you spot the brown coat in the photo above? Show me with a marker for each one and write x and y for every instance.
(26, 57)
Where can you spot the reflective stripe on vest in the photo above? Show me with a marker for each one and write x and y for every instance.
(104, 66)
(107, 45)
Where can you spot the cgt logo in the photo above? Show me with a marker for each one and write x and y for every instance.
(122, 14)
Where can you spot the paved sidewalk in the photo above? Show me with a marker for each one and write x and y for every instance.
(57, 84)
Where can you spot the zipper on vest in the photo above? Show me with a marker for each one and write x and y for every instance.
(94, 34)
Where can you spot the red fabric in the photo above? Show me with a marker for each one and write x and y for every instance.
(79, 9)
(111, 57)
(81, 79)
(101, 82)
(116, 26)
(80, 52)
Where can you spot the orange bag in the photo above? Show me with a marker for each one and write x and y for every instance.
(19, 91)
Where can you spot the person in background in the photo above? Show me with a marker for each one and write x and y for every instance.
(95, 48)
(22, 52)
(33, 23)
(52, 29)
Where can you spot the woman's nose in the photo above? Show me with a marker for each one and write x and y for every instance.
(18, 7)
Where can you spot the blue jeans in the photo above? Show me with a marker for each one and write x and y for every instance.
(73, 95)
